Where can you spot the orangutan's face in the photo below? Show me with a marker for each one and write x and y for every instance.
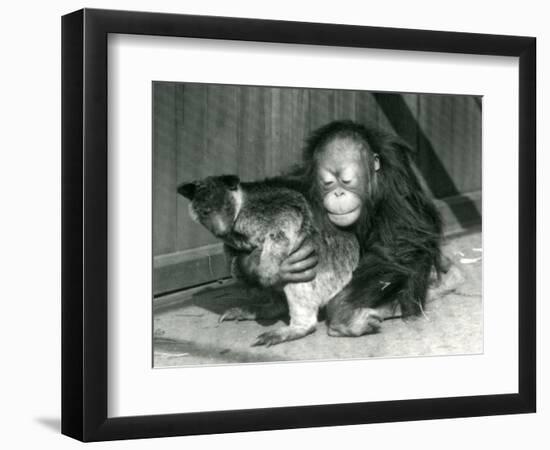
(342, 171)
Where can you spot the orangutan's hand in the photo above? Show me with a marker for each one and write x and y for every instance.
(300, 266)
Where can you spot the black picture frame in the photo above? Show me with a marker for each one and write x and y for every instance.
(84, 224)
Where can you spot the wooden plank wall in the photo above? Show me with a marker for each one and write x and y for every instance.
(201, 130)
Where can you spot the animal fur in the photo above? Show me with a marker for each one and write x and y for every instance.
(399, 230)
(269, 221)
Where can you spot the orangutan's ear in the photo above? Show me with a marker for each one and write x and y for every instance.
(376, 162)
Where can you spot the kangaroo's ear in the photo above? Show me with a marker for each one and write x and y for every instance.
(231, 181)
(187, 190)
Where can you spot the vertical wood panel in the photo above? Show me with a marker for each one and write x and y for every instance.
(466, 158)
(272, 129)
(366, 108)
(222, 123)
(289, 128)
(435, 123)
(397, 113)
(344, 105)
(452, 128)
(255, 122)
(164, 168)
(320, 107)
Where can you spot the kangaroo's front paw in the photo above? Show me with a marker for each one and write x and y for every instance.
(283, 334)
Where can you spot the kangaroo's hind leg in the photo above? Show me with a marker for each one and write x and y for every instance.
(267, 261)
(303, 309)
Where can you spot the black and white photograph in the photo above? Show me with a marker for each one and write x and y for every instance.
(275, 225)
(303, 224)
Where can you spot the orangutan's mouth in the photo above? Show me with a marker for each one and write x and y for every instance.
(344, 213)
(345, 219)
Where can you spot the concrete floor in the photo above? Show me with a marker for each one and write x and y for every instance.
(187, 332)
